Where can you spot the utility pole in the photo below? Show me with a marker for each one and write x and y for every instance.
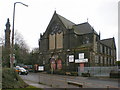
(12, 49)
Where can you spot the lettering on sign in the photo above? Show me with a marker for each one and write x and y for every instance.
(81, 55)
(41, 68)
(81, 60)
(71, 58)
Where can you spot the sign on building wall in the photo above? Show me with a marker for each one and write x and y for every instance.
(77, 60)
(81, 55)
(81, 60)
(71, 58)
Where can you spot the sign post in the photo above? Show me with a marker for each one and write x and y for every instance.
(12, 59)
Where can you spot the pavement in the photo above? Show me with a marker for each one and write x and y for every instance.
(35, 84)
(54, 81)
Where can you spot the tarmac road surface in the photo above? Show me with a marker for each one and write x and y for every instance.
(60, 81)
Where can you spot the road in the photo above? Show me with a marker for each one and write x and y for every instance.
(60, 81)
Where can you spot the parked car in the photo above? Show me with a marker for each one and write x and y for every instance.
(21, 71)
(28, 67)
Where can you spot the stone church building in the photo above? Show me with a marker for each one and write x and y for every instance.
(64, 38)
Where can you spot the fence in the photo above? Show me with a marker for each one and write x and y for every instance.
(97, 71)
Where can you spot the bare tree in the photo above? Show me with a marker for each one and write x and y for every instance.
(20, 41)
(2, 39)
(21, 49)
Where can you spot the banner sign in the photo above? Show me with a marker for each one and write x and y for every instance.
(81, 60)
(77, 60)
(71, 58)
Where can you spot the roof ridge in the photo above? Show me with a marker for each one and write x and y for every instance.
(65, 18)
(81, 23)
(106, 39)
(68, 24)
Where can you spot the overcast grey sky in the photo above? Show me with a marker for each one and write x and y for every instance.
(33, 20)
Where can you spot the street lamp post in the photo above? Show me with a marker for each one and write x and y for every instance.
(12, 49)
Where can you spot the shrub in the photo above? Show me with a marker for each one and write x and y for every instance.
(74, 73)
(10, 79)
(59, 72)
(68, 73)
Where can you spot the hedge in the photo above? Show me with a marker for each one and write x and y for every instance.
(10, 79)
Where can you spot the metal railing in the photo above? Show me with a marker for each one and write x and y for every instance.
(97, 71)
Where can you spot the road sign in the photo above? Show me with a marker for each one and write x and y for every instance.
(12, 58)
(81, 60)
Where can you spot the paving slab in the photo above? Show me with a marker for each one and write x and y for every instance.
(35, 84)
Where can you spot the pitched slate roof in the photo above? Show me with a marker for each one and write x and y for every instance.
(83, 28)
(68, 24)
(78, 28)
(108, 42)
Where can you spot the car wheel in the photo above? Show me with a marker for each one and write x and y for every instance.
(19, 73)
(26, 74)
